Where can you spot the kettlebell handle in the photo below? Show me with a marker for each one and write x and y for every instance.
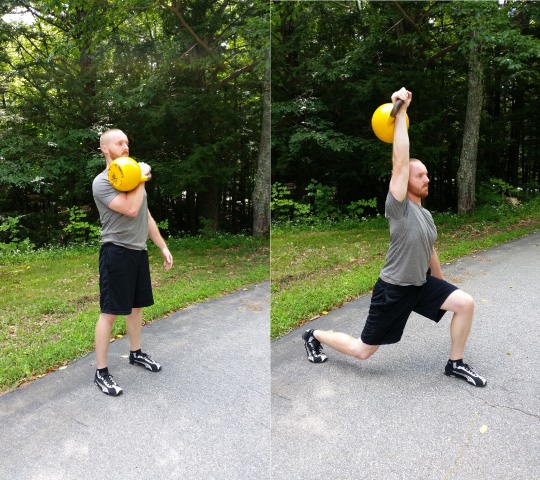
(397, 106)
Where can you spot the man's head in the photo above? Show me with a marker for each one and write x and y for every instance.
(113, 144)
(418, 180)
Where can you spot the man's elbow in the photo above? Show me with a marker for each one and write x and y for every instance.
(130, 212)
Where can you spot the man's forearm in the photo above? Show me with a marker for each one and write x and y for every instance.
(154, 234)
(435, 266)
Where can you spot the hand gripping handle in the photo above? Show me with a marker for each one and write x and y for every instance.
(397, 106)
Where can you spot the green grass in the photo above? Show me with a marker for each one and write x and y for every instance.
(317, 268)
(49, 300)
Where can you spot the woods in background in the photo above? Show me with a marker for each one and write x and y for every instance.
(473, 68)
(183, 79)
(192, 83)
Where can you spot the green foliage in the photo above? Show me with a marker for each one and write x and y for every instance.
(9, 229)
(192, 111)
(283, 207)
(357, 208)
(323, 199)
(504, 188)
(334, 63)
(163, 225)
(78, 229)
(321, 205)
(9, 241)
(496, 191)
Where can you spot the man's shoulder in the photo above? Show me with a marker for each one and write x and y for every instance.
(100, 180)
(394, 208)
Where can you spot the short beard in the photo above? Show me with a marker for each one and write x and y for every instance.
(417, 192)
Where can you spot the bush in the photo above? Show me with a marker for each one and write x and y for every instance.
(357, 209)
(323, 199)
(284, 208)
(9, 241)
(495, 191)
(78, 229)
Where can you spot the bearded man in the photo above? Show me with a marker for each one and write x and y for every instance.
(411, 279)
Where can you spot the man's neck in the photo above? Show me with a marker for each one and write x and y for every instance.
(414, 199)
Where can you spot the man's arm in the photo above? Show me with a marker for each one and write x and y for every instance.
(400, 148)
(130, 203)
(435, 265)
(157, 239)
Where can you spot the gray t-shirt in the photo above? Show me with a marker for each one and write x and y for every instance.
(412, 236)
(129, 232)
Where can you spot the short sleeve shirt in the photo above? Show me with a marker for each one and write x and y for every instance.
(129, 232)
(412, 236)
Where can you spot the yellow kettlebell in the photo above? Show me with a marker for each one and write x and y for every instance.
(383, 121)
(125, 174)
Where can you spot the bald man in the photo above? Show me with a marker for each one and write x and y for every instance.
(411, 279)
(124, 272)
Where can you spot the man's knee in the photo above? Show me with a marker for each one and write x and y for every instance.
(459, 302)
(107, 318)
(363, 355)
(466, 303)
(363, 351)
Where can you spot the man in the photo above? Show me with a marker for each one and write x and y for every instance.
(124, 273)
(411, 279)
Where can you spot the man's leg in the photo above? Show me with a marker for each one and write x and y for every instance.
(134, 328)
(462, 304)
(345, 343)
(103, 379)
(103, 338)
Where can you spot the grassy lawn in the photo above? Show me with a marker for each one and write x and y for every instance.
(49, 300)
(315, 269)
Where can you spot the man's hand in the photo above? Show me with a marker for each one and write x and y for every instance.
(167, 258)
(145, 170)
(404, 95)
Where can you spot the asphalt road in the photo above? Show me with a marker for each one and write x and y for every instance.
(396, 415)
(217, 410)
(206, 415)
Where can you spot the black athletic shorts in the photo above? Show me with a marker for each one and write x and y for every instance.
(391, 306)
(124, 279)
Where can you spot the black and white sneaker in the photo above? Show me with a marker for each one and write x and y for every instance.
(459, 369)
(107, 384)
(313, 347)
(139, 358)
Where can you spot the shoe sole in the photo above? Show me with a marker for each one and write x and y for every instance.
(106, 391)
(467, 379)
(148, 367)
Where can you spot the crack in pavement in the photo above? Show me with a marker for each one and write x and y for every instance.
(468, 434)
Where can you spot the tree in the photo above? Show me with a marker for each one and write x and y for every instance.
(466, 176)
(181, 78)
(334, 63)
(261, 193)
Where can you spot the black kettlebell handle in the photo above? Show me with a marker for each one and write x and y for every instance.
(397, 106)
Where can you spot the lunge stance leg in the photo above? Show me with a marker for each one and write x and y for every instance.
(462, 304)
(341, 342)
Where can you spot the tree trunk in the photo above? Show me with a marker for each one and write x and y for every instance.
(516, 134)
(466, 176)
(261, 192)
(208, 206)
